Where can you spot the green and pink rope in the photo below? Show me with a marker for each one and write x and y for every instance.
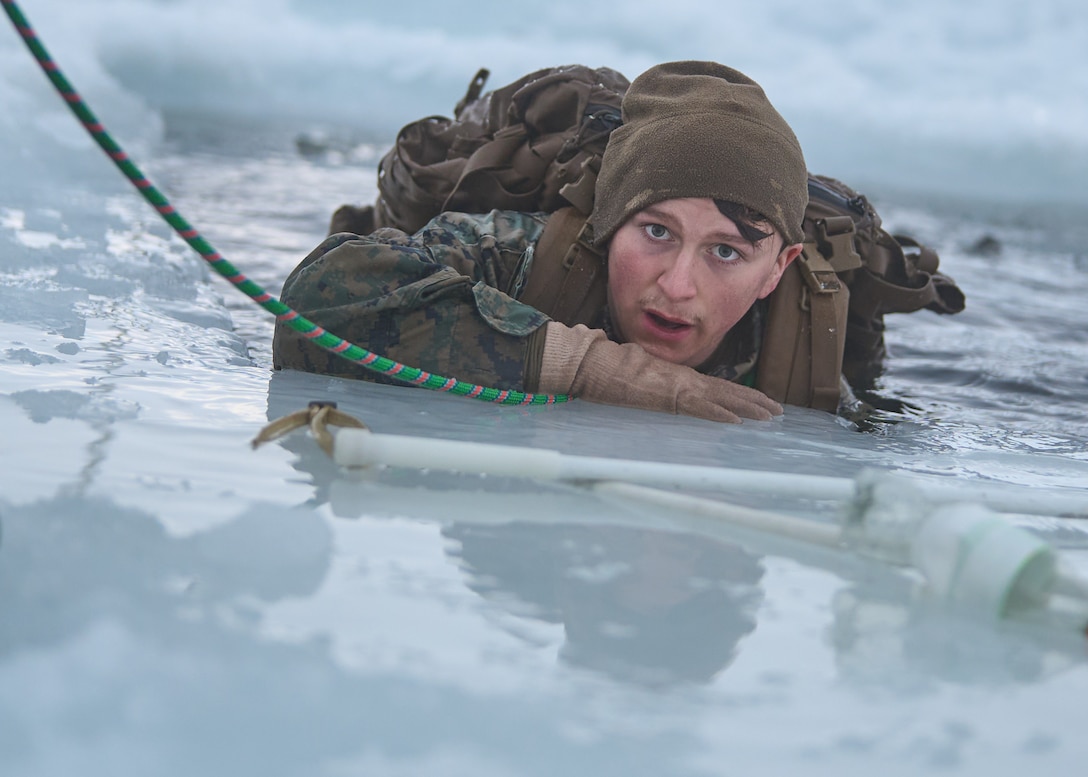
(283, 313)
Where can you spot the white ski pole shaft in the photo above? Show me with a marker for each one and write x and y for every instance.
(361, 448)
(681, 505)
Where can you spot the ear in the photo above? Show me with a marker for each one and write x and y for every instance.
(782, 261)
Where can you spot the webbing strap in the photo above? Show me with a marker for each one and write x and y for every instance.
(490, 156)
(835, 240)
(824, 291)
(581, 191)
(567, 280)
(475, 88)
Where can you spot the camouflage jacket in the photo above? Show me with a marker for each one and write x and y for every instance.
(445, 300)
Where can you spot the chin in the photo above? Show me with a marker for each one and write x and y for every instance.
(665, 353)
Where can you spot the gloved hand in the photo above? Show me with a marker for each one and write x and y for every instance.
(585, 363)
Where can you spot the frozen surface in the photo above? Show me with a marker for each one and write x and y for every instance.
(176, 603)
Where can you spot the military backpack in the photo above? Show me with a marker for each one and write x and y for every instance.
(536, 145)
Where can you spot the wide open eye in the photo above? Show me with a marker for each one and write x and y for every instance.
(726, 253)
(656, 232)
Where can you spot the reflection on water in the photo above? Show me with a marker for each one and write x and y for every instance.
(68, 562)
(642, 599)
(649, 606)
(915, 648)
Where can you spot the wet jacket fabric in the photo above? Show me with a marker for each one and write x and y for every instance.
(445, 300)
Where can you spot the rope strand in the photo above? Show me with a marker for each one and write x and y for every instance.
(283, 313)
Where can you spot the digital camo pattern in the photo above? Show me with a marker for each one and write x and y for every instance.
(438, 300)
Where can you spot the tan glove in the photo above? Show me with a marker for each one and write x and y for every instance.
(585, 363)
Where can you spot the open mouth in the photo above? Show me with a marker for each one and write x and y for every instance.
(669, 324)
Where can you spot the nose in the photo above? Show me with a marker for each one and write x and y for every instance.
(677, 278)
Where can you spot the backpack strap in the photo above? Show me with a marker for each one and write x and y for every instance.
(800, 360)
(567, 280)
(893, 282)
(580, 191)
(501, 153)
(828, 300)
(835, 240)
(472, 93)
(801, 357)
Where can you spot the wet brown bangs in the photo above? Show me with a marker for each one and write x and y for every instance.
(746, 219)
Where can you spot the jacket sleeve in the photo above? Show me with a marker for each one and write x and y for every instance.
(442, 300)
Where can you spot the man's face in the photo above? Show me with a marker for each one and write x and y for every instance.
(680, 276)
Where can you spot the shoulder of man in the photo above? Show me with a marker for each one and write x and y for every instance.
(568, 275)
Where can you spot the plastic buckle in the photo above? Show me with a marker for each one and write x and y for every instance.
(835, 239)
(580, 191)
(819, 281)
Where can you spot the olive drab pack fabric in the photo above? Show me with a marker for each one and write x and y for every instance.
(536, 145)
(522, 147)
(826, 317)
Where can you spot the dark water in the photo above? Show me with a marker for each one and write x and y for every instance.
(1017, 358)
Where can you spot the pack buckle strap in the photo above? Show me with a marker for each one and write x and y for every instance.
(567, 280)
(472, 93)
(818, 273)
(824, 289)
(580, 191)
(835, 240)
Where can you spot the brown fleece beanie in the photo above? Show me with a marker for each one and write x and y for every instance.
(700, 129)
